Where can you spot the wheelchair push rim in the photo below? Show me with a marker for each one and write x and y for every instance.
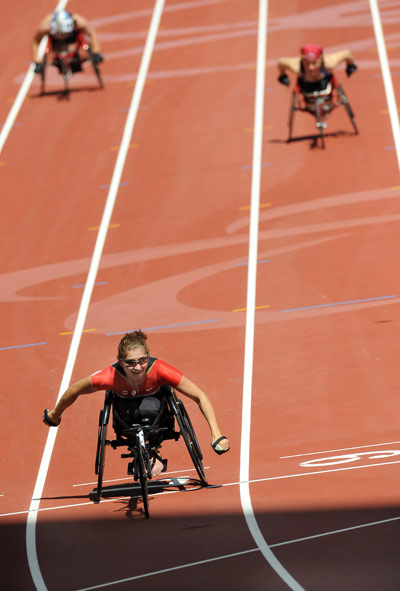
(190, 439)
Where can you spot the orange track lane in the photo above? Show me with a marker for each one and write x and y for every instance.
(174, 263)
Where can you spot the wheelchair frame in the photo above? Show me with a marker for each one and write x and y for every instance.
(138, 440)
(65, 58)
(320, 105)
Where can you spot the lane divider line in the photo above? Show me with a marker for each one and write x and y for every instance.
(83, 309)
(251, 300)
(22, 346)
(387, 78)
(329, 451)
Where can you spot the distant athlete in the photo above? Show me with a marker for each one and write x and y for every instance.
(62, 28)
(313, 67)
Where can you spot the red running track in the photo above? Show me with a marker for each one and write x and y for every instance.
(325, 347)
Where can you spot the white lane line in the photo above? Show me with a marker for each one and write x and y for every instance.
(255, 481)
(101, 236)
(242, 553)
(329, 451)
(387, 78)
(251, 304)
(17, 104)
(130, 477)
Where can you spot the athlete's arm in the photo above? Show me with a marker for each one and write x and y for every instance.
(82, 24)
(189, 389)
(289, 63)
(42, 30)
(333, 60)
(84, 386)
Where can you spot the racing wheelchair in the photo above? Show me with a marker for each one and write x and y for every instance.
(144, 439)
(320, 104)
(68, 59)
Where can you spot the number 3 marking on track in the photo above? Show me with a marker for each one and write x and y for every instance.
(347, 458)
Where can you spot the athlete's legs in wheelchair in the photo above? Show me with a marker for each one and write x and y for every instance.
(151, 412)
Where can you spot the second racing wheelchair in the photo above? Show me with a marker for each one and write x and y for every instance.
(68, 59)
(320, 105)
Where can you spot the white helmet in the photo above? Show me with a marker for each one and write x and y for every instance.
(62, 23)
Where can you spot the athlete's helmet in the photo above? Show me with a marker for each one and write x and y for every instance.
(62, 23)
(311, 51)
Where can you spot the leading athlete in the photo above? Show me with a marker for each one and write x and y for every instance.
(136, 378)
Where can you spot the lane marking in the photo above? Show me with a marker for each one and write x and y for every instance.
(329, 451)
(83, 285)
(247, 207)
(256, 308)
(22, 346)
(387, 79)
(348, 458)
(72, 332)
(250, 166)
(258, 263)
(130, 478)
(340, 303)
(109, 334)
(131, 147)
(116, 225)
(244, 552)
(251, 302)
(83, 309)
(226, 484)
(106, 186)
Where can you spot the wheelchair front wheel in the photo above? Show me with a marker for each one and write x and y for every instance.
(191, 442)
(348, 108)
(141, 473)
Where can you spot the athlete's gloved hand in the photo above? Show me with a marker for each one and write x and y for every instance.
(39, 67)
(284, 79)
(350, 69)
(97, 58)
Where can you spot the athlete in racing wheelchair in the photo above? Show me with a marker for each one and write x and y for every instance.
(71, 41)
(317, 91)
(141, 389)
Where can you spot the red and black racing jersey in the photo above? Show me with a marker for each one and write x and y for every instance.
(158, 374)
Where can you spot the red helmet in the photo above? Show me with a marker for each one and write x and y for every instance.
(311, 51)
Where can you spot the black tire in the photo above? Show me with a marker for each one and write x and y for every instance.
(140, 472)
(95, 68)
(348, 108)
(291, 115)
(43, 75)
(100, 456)
(191, 442)
(320, 125)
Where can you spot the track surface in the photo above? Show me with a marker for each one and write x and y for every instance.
(325, 379)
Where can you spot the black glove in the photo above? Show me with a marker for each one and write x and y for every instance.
(97, 58)
(39, 68)
(284, 79)
(350, 69)
(46, 419)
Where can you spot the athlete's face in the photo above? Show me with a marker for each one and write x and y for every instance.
(136, 361)
(312, 65)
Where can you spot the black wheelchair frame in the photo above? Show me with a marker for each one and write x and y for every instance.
(320, 106)
(144, 440)
(68, 61)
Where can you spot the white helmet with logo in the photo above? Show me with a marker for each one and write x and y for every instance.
(62, 23)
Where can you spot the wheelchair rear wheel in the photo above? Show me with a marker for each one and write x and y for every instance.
(291, 115)
(43, 75)
(190, 439)
(348, 108)
(100, 455)
(95, 68)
